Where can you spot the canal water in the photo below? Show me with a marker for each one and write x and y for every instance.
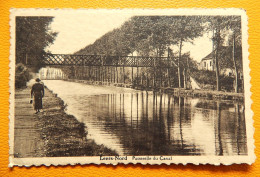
(133, 122)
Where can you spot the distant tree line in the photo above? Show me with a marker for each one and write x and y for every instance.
(155, 35)
(147, 35)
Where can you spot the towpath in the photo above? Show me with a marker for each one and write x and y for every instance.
(27, 133)
(51, 132)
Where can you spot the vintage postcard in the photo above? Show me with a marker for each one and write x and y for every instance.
(148, 86)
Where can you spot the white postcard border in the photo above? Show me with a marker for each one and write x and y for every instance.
(215, 160)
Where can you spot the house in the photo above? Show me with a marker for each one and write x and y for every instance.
(207, 63)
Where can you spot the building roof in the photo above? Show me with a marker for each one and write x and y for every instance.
(210, 55)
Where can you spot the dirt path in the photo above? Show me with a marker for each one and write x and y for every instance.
(27, 133)
(52, 132)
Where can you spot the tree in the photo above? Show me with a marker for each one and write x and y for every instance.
(185, 29)
(33, 35)
(216, 49)
(159, 38)
(235, 26)
(150, 35)
(221, 26)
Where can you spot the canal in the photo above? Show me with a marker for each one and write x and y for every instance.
(134, 122)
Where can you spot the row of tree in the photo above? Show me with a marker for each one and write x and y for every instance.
(154, 35)
(33, 35)
(148, 35)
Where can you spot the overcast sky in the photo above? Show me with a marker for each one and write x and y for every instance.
(76, 31)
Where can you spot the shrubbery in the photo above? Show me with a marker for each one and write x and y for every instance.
(22, 75)
(204, 77)
(207, 80)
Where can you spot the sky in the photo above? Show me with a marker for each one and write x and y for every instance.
(76, 31)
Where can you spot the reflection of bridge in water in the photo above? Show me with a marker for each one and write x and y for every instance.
(134, 71)
(152, 123)
(138, 122)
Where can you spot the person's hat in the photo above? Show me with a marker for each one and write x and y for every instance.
(37, 80)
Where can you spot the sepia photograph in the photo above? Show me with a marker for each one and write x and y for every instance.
(129, 86)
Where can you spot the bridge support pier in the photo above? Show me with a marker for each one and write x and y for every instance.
(147, 84)
(103, 74)
(132, 79)
(141, 73)
(124, 75)
(137, 76)
(111, 74)
(114, 70)
(116, 75)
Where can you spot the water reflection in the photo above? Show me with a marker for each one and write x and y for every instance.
(147, 123)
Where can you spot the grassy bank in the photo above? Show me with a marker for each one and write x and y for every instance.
(208, 94)
(64, 135)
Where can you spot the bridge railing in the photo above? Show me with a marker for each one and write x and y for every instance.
(102, 60)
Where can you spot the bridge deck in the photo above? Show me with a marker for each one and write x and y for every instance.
(101, 60)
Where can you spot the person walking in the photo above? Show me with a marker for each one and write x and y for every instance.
(37, 93)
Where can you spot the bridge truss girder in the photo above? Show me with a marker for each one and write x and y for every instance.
(116, 61)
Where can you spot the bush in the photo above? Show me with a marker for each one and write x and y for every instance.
(207, 80)
(22, 75)
(204, 77)
(227, 83)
